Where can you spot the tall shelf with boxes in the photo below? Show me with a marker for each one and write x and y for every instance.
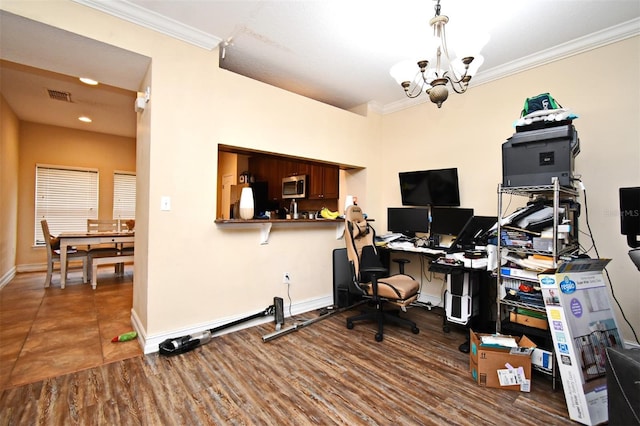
(520, 307)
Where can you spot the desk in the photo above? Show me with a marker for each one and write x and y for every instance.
(483, 294)
(482, 319)
(68, 239)
(411, 248)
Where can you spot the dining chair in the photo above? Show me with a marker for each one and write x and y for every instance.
(108, 250)
(103, 225)
(53, 255)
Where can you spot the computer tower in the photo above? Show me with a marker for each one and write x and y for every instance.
(533, 158)
(461, 297)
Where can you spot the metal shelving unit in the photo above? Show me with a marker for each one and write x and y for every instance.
(558, 195)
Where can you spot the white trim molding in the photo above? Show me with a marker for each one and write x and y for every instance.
(150, 344)
(138, 15)
(6, 278)
(574, 47)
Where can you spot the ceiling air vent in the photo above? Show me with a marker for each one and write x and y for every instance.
(59, 96)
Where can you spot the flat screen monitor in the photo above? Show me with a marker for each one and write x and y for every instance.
(430, 187)
(407, 220)
(449, 220)
(475, 232)
(630, 215)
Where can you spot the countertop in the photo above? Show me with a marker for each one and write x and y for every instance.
(278, 221)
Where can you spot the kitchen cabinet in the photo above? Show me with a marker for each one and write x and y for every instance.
(323, 182)
(293, 168)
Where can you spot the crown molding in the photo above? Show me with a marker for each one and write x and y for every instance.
(154, 21)
(574, 47)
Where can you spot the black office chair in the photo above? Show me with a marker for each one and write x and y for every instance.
(371, 279)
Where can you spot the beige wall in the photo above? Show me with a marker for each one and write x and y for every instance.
(9, 141)
(196, 274)
(469, 130)
(59, 146)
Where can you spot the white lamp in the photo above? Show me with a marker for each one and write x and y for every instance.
(246, 203)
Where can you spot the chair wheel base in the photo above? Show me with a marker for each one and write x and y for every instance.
(350, 325)
(379, 337)
(415, 330)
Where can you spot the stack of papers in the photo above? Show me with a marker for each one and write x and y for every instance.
(503, 341)
(402, 245)
(389, 237)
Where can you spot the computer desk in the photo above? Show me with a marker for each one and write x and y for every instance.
(450, 265)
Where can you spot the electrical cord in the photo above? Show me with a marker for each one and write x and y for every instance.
(595, 248)
(291, 316)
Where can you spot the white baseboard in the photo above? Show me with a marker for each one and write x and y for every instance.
(150, 344)
(6, 278)
(42, 267)
(32, 267)
(432, 300)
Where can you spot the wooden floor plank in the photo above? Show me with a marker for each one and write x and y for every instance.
(321, 374)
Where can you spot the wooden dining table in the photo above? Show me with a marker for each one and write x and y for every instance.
(70, 239)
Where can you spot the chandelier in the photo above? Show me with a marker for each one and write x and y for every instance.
(417, 76)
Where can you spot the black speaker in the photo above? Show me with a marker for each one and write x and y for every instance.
(341, 279)
(623, 386)
(630, 215)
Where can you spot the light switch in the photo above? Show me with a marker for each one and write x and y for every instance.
(165, 203)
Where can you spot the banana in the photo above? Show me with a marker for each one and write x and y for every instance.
(328, 214)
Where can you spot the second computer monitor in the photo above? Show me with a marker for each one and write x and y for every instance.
(407, 220)
(449, 220)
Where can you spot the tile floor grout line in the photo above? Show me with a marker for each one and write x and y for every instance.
(104, 311)
(26, 337)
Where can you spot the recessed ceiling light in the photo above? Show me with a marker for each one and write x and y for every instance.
(89, 81)
(84, 118)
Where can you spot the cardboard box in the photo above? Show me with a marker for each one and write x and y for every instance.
(583, 326)
(529, 321)
(485, 362)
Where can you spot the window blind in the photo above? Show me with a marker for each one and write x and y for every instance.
(66, 198)
(124, 195)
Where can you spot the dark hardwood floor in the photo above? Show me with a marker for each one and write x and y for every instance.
(320, 374)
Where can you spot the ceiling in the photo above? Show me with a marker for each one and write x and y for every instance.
(335, 51)
(37, 58)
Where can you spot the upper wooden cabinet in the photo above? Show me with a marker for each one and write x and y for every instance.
(323, 182)
(293, 168)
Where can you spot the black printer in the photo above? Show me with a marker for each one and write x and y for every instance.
(532, 158)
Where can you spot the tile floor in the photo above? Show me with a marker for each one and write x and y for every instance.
(48, 332)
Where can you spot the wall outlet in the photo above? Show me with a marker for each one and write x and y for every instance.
(286, 279)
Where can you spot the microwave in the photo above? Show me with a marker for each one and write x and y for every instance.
(294, 187)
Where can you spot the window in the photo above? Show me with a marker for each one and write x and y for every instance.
(124, 195)
(66, 198)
